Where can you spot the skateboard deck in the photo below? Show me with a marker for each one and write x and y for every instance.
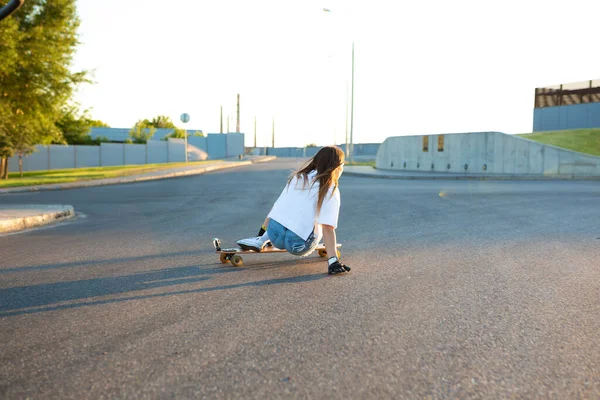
(233, 256)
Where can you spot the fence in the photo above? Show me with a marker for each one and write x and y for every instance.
(361, 151)
(53, 157)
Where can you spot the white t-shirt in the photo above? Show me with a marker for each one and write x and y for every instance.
(296, 207)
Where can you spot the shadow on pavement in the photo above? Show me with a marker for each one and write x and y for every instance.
(42, 298)
(100, 262)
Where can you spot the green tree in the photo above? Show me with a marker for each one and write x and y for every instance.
(75, 126)
(141, 132)
(164, 122)
(9, 32)
(38, 44)
(96, 123)
(6, 151)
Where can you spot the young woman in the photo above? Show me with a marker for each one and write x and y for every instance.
(306, 211)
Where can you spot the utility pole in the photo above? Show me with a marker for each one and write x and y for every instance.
(254, 132)
(347, 154)
(352, 109)
(273, 132)
(221, 119)
(237, 125)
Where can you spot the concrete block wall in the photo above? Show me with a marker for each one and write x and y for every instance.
(217, 145)
(63, 157)
(574, 116)
(176, 150)
(364, 150)
(87, 156)
(157, 152)
(113, 154)
(199, 142)
(38, 160)
(134, 154)
(483, 153)
(122, 134)
(289, 151)
(235, 144)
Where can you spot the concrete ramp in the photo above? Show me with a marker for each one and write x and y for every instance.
(483, 153)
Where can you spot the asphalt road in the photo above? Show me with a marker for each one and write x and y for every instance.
(458, 289)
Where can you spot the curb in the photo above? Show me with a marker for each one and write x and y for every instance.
(57, 213)
(186, 173)
(124, 180)
(475, 178)
(267, 158)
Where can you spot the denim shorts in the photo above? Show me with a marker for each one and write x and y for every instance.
(283, 238)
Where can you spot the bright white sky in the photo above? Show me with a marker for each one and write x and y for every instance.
(421, 67)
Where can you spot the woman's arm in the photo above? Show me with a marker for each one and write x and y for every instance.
(335, 266)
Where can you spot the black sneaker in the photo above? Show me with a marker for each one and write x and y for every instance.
(337, 268)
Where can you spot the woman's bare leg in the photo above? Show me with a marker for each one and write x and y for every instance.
(329, 238)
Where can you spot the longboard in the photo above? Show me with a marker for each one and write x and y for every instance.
(233, 256)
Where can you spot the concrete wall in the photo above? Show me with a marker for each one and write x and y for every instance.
(199, 142)
(87, 156)
(366, 151)
(112, 154)
(483, 153)
(157, 152)
(235, 144)
(62, 157)
(39, 160)
(217, 145)
(287, 151)
(122, 134)
(135, 154)
(176, 150)
(573, 116)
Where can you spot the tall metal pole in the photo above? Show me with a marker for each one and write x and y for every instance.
(352, 110)
(273, 132)
(221, 119)
(237, 125)
(185, 118)
(347, 154)
(186, 146)
(254, 132)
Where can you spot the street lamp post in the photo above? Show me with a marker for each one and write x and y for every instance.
(349, 150)
(352, 110)
(185, 118)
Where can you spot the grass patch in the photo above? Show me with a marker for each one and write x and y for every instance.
(86, 174)
(581, 140)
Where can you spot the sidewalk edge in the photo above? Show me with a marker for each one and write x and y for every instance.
(33, 221)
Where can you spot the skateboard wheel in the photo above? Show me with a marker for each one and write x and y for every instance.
(323, 253)
(237, 261)
(223, 258)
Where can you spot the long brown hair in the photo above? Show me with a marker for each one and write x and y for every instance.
(325, 163)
